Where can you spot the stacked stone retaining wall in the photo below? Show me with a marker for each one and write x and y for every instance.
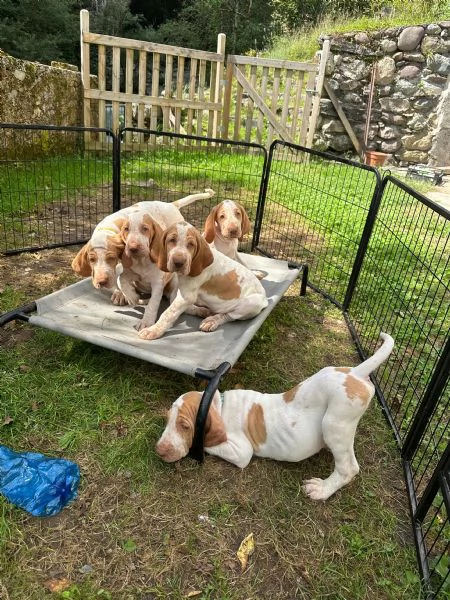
(410, 115)
(41, 94)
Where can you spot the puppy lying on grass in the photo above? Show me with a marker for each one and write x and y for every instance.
(322, 411)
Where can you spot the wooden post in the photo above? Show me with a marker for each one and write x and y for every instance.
(227, 100)
(85, 70)
(116, 89)
(218, 85)
(129, 64)
(260, 121)
(250, 106)
(142, 84)
(101, 75)
(343, 118)
(312, 119)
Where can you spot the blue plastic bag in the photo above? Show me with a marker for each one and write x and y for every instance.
(39, 484)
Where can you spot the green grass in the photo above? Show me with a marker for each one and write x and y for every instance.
(137, 520)
(302, 44)
(28, 185)
(223, 170)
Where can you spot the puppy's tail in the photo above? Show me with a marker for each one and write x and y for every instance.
(369, 365)
(208, 193)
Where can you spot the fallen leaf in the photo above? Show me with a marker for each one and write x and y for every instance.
(7, 420)
(246, 549)
(194, 593)
(57, 585)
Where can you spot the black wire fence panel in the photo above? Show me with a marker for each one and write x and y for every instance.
(315, 211)
(170, 166)
(52, 191)
(378, 249)
(403, 289)
(435, 523)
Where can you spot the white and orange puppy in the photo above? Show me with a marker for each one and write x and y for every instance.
(322, 411)
(141, 235)
(221, 287)
(100, 256)
(225, 227)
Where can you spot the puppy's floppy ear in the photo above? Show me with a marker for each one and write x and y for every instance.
(80, 263)
(245, 222)
(116, 244)
(155, 241)
(209, 232)
(162, 255)
(124, 222)
(215, 433)
(203, 256)
(119, 222)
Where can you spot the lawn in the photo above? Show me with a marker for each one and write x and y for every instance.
(142, 529)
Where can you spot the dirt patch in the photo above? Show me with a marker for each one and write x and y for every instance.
(28, 276)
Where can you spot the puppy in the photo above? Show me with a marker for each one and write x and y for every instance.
(141, 236)
(226, 226)
(218, 285)
(100, 256)
(322, 411)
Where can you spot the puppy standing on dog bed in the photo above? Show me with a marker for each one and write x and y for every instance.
(322, 411)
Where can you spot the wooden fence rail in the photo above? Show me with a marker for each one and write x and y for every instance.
(133, 83)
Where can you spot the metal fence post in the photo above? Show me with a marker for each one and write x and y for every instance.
(365, 239)
(262, 197)
(430, 399)
(116, 171)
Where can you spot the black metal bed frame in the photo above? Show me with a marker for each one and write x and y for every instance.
(361, 256)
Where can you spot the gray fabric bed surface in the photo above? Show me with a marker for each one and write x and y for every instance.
(83, 312)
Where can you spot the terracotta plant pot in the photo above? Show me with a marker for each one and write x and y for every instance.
(374, 159)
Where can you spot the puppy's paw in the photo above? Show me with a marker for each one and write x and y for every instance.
(145, 323)
(209, 324)
(118, 298)
(316, 489)
(150, 333)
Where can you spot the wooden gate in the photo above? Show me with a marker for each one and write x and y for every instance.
(267, 99)
(132, 83)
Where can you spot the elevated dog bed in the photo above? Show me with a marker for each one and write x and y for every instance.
(85, 313)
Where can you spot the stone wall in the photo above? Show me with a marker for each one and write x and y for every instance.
(39, 94)
(410, 116)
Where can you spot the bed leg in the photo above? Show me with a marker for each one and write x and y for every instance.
(214, 377)
(304, 282)
(18, 314)
(305, 270)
